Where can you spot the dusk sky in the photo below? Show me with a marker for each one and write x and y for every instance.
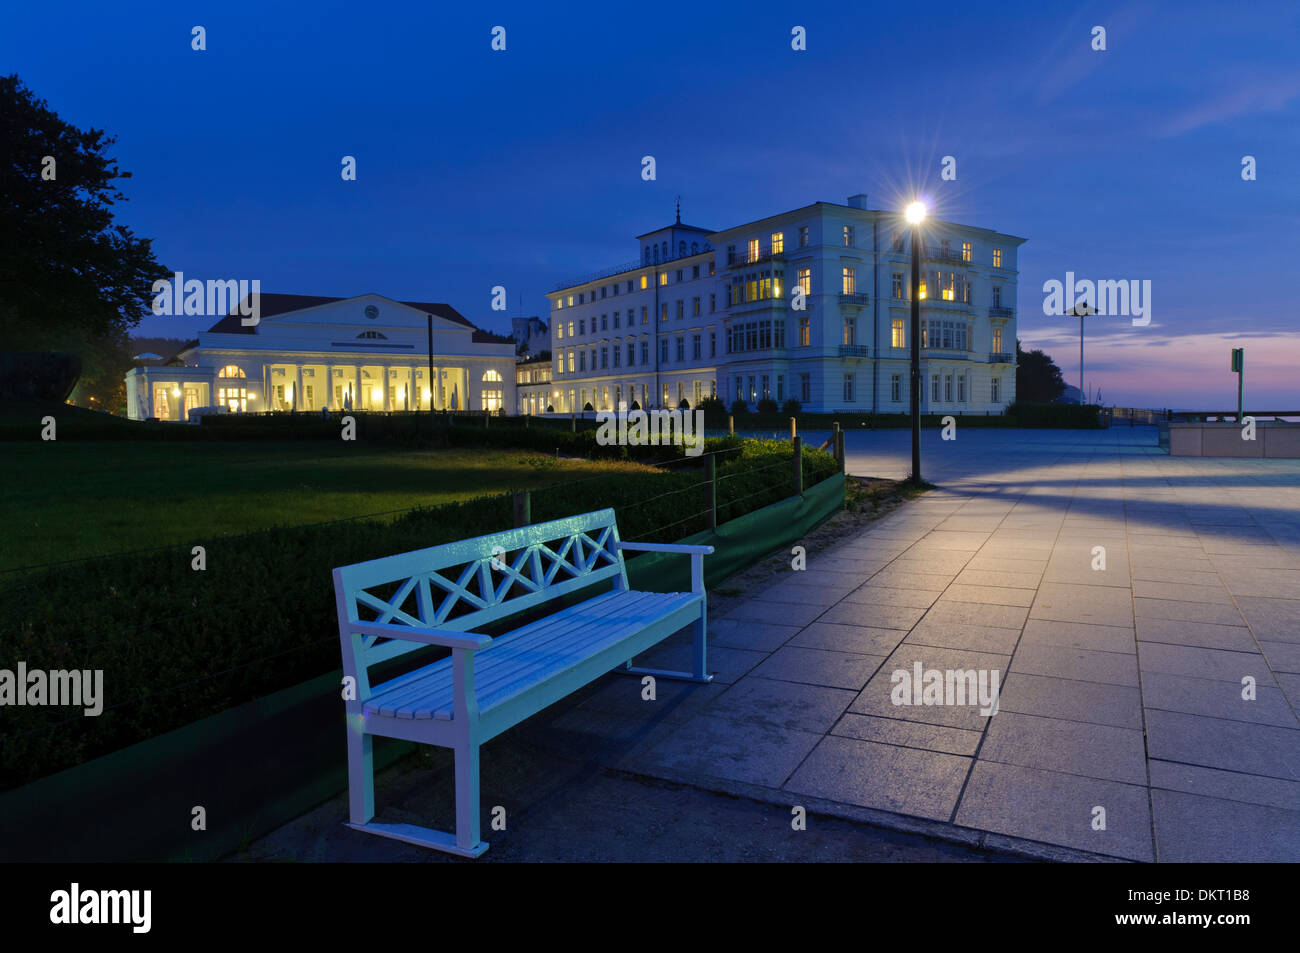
(522, 168)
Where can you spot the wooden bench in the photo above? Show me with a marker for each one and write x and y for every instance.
(440, 596)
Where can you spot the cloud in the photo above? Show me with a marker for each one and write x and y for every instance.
(1254, 95)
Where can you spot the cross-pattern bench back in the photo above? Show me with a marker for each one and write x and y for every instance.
(457, 587)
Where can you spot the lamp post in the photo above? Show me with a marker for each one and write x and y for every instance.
(1082, 310)
(916, 215)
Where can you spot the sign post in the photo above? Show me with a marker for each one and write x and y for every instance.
(1239, 365)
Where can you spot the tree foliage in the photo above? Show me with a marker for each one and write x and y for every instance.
(1038, 379)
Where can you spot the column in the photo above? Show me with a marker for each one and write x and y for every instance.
(297, 386)
(387, 405)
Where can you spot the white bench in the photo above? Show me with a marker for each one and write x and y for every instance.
(440, 596)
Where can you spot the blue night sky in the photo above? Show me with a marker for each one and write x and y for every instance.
(478, 168)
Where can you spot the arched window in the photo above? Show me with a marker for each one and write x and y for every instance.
(373, 335)
(695, 248)
(231, 370)
(656, 254)
(647, 255)
(665, 248)
(681, 249)
(491, 375)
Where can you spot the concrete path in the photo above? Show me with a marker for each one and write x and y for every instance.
(1147, 705)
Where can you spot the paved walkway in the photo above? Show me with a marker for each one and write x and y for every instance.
(1121, 688)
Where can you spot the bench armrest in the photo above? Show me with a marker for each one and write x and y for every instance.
(665, 548)
(697, 554)
(410, 633)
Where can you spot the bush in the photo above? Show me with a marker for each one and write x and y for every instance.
(683, 404)
(791, 407)
(739, 408)
(767, 406)
(1062, 416)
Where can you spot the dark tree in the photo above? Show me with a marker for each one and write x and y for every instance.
(70, 279)
(1038, 379)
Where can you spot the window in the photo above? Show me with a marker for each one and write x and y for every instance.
(945, 249)
(645, 352)
(805, 331)
(663, 310)
(753, 249)
(804, 276)
(850, 331)
(629, 285)
(679, 276)
(570, 301)
(570, 329)
(849, 285)
(947, 388)
(570, 362)
(582, 326)
(681, 249)
(663, 278)
(711, 269)
(373, 335)
(897, 241)
(753, 393)
(559, 330)
(848, 388)
(961, 388)
(616, 317)
(681, 349)
(997, 258)
(696, 394)
(602, 290)
(582, 360)
(767, 390)
(644, 280)
(896, 285)
(615, 287)
(581, 297)
(995, 389)
(631, 354)
(681, 309)
(695, 272)
(778, 242)
(645, 314)
(617, 355)
(805, 388)
(696, 347)
(713, 303)
(848, 236)
(803, 236)
(731, 254)
(997, 341)
(898, 339)
(713, 344)
(604, 358)
(604, 322)
(997, 296)
(934, 389)
(896, 388)
(559, 303)
(695, 306)
(663, 350)
(780, 388)
(965, 251)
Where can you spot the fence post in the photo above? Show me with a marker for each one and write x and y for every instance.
(839, 449)
(487, 414)
(713, 490)
(573, 422)
(731, 425)
(798, 466)
(523, 508)
(794, 431)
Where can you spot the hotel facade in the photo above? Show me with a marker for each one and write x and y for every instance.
(714, 313)
(307, 353)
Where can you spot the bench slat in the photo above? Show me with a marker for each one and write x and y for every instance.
(532, 655)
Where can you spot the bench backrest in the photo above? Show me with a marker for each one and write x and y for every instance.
(462, 586)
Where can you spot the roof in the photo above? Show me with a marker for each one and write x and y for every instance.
(689, 228)
(272, 304)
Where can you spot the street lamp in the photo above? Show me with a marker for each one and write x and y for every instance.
(1082, 311)
(916, 215)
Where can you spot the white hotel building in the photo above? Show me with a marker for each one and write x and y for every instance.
(310, 353)
(710, 312)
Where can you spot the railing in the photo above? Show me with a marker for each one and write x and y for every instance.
(946, 254)
(1002, 357)
(854, 350)
(858, 300)
(739, 260)
(1000, 312)
(597, 275)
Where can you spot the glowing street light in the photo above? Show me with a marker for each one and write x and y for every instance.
(915, 214)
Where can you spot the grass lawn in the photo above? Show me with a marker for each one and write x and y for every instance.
(76, 499)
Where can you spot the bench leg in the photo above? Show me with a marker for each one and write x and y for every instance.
(361, 773)
(467, 797)
(699, 659)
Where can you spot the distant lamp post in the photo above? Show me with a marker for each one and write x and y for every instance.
(916, 215)
(1082, 311)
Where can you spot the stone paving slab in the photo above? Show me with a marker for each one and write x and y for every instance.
(1120, 689)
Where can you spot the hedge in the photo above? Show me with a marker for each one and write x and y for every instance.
(176, 644)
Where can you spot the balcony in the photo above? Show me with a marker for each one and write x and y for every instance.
(744, 259)
(858, 351)
(939, 253)
(1002, 357)
(855, 300)
(1001, 312)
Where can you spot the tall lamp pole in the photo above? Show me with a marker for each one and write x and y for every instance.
(1082, 310)
(916, 215)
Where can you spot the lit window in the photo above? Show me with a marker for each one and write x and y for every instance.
(778, 242)
(848, 236)
(803, 236)
(850, 331)
(805, 332)
(805, 280)
(997, 258)
(898, 337)
(896, 285)
(965, 251)
(850, 282)
(753, 249)
(663, 278)
(644, 279)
